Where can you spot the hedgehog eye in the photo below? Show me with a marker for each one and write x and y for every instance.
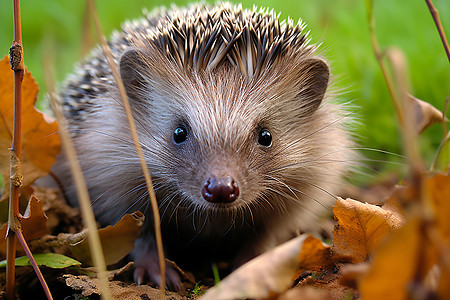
(180, 134)
(264, 138)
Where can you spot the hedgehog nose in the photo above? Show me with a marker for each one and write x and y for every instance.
(220, 190)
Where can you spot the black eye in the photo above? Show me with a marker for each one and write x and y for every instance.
(180, 134)
(264, 138)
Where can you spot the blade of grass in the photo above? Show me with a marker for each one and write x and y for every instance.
(398, 93)
(397, 62)
(153, 201)
(33, 263)
(82, 192)
(379, 57)
(446, 135)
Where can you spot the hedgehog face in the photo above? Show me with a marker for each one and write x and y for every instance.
(223, 131)
(224, 110)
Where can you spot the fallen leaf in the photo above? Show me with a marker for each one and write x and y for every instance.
(117, 240)
(416, 258)
(351, 273)
(40, 141)
(307, 293)
(361, 227)
(315, 256)
(268, 274)
(89, 287)
(426, 114)
(61, 216)
(329, 289)
(397, 263)
(34, 225)
(34, 222)
(438, 193)
(443, 289)
(51, 260)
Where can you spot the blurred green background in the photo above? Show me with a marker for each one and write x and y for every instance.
(340, 25)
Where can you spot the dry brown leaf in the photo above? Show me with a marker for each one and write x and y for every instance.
(315, 256)
(349, 274)
(61, 216)
(438, 193)
(267, 275)
(397, 263)
(40, 141)
(34, 225)
(307, 293)
(127, 230)
(330, 288)
(361, 227)
(426, 114)
(443, 289)
(89, 287)
(406, 262)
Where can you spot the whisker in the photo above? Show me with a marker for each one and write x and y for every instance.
(377, 150)
(296, 190)
(137, 201)
(274, 155)
(113, 187)
(305, 210)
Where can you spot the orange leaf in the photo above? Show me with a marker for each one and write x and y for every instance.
(315, 256)
(438, 190)
(127, 230)
(361, 227)
(34, 224)
(394, 265)
(40, 141)
(402, 264)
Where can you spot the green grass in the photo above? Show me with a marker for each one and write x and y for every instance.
(340, 25)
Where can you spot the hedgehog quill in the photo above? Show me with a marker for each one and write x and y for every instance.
(235, 120)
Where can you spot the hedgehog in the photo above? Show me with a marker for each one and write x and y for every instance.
(238, 127)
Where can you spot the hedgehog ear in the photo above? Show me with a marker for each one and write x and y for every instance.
(131, 65)
(314, 76)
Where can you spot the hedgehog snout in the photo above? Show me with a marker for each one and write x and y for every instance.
(220, 190)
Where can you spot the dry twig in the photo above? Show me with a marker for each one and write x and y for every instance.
(14, 216)
(435, 14)
(153, 201)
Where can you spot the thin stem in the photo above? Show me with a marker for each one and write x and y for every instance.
(444, 114)
(438, 152)
(398, 93)
(80, 184)
(22, 241)
(10, 265)
(16, 177)
(379, 57)
(435, 14)
(17, 23)
(148, 180)
(16, 61)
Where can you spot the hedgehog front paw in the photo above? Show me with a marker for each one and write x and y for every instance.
(149, 268)
(147, 265)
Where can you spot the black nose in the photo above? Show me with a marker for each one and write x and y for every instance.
(220, 190)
